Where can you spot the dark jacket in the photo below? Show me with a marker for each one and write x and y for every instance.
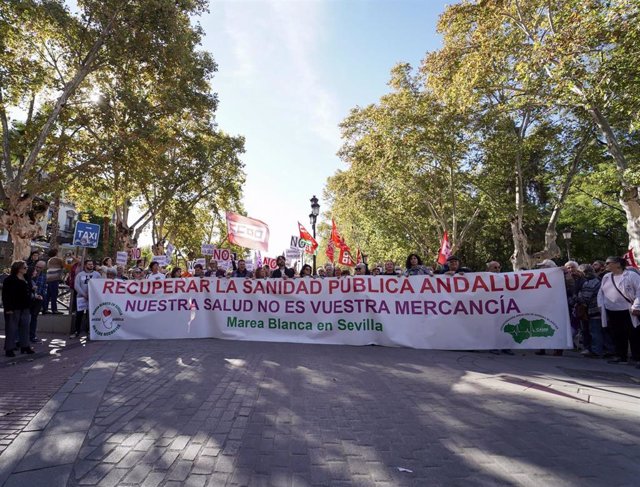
(288, 272)
(16, 294)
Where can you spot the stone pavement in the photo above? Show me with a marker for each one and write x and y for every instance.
(218, 413)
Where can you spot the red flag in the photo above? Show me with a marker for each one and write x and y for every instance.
(445, 250)
(631, 260)
(337, 240)
(247, 232)
(345, 257)
(331, 251)
(304, 235)
(359, 257)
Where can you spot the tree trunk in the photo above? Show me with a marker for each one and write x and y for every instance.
(21, 222)
(106, 221)
(631, 205)
(55, 224)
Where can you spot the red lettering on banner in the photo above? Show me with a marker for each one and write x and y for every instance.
(543, 281)
(107, 287)
(479, 283)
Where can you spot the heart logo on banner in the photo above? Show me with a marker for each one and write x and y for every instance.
(106, 312)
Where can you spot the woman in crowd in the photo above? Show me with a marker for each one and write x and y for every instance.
(619, 301)
(415, 267)
(37, 278)
(107, 264)
(175, 272)
(34, 257)
(306, 271)
(17, 299)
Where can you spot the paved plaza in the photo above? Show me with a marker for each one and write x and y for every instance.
(224, 413)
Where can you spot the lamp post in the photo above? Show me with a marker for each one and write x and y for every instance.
(566, 234)
(313, 217)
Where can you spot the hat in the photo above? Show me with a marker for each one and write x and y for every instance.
(546, 264)
(452, 257)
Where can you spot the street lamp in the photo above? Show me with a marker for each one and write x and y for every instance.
(313, 217)
(566, 234)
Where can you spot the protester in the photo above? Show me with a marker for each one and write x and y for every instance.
(376, 271)
(415, 267)
(360, 269)
(81, 286)
(55, 267)
(154, 272)
(306, 271)
(120, 275)
(345, 272)
(282, 270)
(259, 273)
(198, 271)
(493, 266)
(242, 270)
(107, 263)
(37, 279)
(33, 258)
(137, 274)
(321, 272)
(587, 307)
(389, 268)
(17, 300)
(454, 266)
(175, 272)
(619, 301)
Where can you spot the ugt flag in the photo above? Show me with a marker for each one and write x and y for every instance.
(304, 235)
(247, 232)
(445, 250)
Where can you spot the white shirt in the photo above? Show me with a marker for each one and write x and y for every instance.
(610, 299)
(156, 277)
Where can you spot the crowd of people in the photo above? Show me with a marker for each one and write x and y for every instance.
(603, 297)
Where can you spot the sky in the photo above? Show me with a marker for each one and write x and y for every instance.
(289, 71)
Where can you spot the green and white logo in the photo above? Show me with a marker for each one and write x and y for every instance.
(524, 326)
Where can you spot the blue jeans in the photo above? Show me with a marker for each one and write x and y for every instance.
(17, 328)
(52, 296)
(601, 341)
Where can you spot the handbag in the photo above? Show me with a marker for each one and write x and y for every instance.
(581, 312)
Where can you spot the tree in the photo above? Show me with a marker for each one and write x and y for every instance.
(573, 57)
(46, 55)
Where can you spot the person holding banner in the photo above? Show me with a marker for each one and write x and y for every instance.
(154, 272)
(619, 301)
(415, 267)
(306, 271)
(242, 270)
(282, 271)
(81, 287)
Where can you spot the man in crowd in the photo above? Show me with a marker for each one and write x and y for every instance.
(198, 271)
(454, 266)
(361, 269)
(282, 270)
(242, 270)
(81, 286)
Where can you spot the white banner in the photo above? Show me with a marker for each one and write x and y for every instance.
(471, 311)
(121, 258)
(207, 249)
